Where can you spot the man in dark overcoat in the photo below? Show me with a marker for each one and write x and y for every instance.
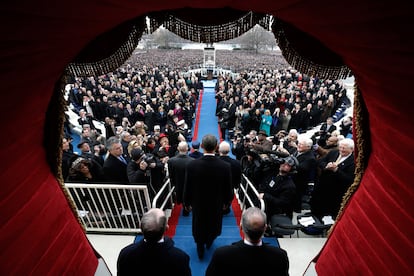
(338, 173)
(155, 254)
(250, 256)
(177, 167)
(208, 189)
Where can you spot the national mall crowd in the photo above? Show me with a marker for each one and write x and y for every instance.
(148, 108)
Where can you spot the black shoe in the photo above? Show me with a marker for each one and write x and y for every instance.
(200, 250)
(185, 213)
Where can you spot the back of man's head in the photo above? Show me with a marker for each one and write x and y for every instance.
(209, 143)
(254, 224)
(224, 148)
(183, 147)
(153, 225)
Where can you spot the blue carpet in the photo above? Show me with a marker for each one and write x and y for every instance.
(208, 121)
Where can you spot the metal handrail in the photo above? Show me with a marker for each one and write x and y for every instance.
(167, 183)
(245, 189)
(110, 208)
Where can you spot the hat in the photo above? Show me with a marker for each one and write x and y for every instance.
(262, 132)
(195, 144)
(77, 162)
(81, 144)
(162, 135)
(136, 154)
(157, 127)
(291, 161)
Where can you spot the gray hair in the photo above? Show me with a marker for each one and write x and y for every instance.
(254, 223)
(182, 147)
(111, 142)
(347, 142)
(153, 225)
(224, 148)
(305, 140)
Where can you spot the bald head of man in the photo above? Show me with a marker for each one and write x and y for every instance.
(182, 147)
(153, 225)
(254, 224)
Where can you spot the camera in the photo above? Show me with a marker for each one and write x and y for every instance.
(148, 158)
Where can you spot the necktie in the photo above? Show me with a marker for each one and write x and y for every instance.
(122, 159)
(339, 159)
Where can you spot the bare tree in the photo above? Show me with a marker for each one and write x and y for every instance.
(258, 38)
(166, 39)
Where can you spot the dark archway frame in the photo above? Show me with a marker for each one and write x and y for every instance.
(373, 236)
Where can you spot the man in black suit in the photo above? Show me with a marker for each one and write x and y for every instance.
(235, 166)
(155, 254)
(177, 167)
(306, 169)
(208, 189)
(224, 150)
(115, 165)
(338, 173)
(325, 131)
(250, 256)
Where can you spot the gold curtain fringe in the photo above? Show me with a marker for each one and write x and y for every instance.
(209, 34)
(304, 64)
(110, 63)
(362, 150)
(54, 120)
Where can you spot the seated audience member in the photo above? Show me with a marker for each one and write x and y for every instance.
(249, 256)
(155, 254)
(337, 174)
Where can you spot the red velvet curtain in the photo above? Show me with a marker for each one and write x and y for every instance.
(39, 234)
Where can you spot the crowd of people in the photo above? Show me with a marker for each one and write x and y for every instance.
(148, 110)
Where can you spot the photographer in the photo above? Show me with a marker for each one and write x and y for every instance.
(239, 146)
(137, 167)
(279, 191)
